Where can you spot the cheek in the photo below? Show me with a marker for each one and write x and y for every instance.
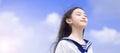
(75, 20)
(74, 17)
(86, 19)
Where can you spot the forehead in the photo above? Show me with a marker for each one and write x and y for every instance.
(78, 11)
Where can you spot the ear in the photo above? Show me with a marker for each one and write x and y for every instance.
(69, 21)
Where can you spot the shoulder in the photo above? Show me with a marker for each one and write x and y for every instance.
(65, 43)
(62, 47)
(66, 47)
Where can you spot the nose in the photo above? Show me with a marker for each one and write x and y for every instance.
(83, 18)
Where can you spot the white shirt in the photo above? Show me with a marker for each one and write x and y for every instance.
(65, 46)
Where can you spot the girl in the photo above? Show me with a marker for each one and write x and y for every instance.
(71, 33)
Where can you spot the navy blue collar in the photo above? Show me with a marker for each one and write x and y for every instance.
(82, 48)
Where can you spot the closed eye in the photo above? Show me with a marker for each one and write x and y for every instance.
(78, 14)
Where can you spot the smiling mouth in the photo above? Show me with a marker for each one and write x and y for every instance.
(83, 21)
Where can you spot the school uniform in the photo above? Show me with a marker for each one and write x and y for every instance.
(68, 45)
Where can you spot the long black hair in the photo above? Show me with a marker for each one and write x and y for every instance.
(65, 29)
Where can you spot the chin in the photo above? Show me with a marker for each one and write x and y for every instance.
(82, 25)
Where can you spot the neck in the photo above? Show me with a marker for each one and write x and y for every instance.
(77, 33)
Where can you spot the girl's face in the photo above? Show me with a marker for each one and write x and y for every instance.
(78, 18)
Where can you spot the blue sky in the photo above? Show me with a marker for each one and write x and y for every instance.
(31, 26)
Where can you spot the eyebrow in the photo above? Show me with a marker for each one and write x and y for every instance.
(77, 12)
(80, 12)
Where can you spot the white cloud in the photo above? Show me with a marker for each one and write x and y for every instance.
(53, 19)
(105, 12)
(9, 44)
(48, 29)
(106, 35)
(12, 33)
(50, 25)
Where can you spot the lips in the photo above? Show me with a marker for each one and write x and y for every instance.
(83, 21)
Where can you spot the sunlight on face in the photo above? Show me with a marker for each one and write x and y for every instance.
(79, 18)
